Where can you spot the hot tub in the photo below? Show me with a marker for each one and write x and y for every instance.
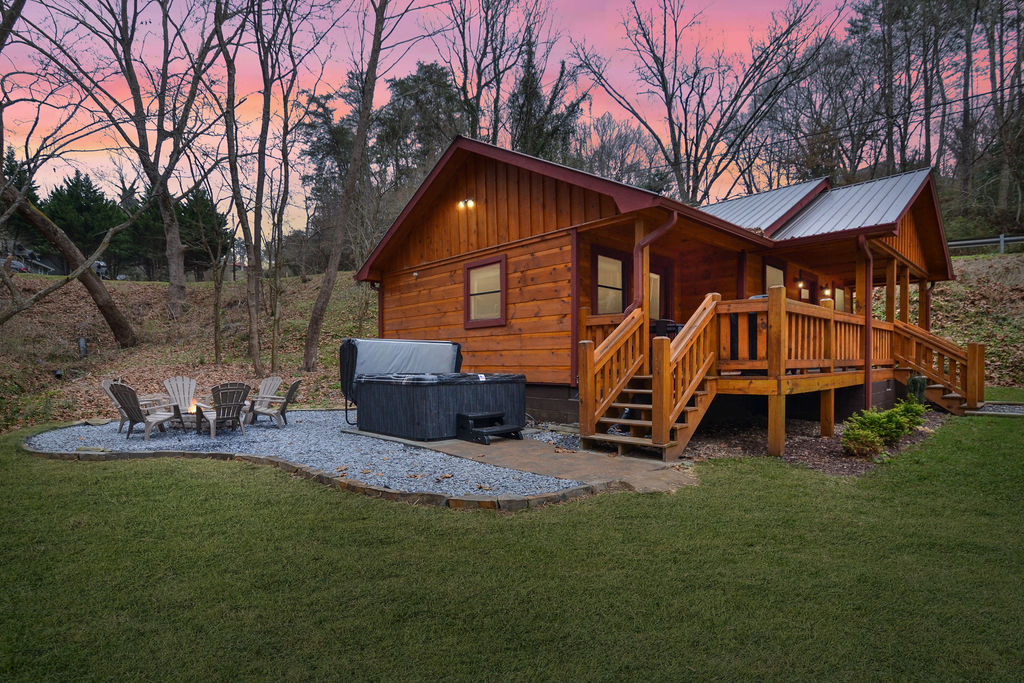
(423, 407)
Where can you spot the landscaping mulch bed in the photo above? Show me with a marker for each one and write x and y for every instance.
(749, 438)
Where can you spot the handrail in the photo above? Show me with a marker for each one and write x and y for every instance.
(605, 370)
(680, 366)
(957, 369)
(938, 342)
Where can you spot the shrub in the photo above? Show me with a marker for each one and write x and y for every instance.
(887, 425)
(861, 442)
(911, 414)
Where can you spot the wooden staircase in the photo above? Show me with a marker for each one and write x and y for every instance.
(635, 401)
(957, 375)
(664, 407)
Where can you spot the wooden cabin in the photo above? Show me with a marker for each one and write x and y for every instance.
(610, 298)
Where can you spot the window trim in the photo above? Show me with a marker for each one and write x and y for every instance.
(468, 323)
(627, 276)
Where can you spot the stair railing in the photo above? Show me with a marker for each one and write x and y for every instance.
(606, 369)
(680, 365)
(941, 361)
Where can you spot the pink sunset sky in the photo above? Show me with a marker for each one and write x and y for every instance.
(726, 24)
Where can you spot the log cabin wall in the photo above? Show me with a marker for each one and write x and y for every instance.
(907, 242)
(536, 340)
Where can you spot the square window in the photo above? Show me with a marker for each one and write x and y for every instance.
(611, 284)
(485, 293)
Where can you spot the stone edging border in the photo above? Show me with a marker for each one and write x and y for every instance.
(460, 502)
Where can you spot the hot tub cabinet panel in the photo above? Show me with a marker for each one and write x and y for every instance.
(423, 407)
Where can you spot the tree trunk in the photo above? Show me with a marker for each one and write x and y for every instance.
(175, 255)
(323, 297)
(119, 325)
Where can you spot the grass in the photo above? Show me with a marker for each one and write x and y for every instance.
(198, 569)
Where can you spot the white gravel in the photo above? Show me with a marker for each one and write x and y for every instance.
(315, 439)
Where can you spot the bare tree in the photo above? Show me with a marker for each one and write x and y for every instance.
(709, 102)
(382, 20)
(141, 66)
(481, 43)
(48, 115)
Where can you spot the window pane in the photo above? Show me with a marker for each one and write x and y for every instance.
(485, 306)
(609, 272)
(773, 276)
(609, 300)
(840, 299)
(655, 300)
(485, 279)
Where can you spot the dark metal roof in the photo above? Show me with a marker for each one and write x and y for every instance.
(864, 205)
(763, 210)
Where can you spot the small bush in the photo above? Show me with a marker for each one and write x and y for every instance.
(887, 425)
(911, 414)
(861, 442)
(869, 431)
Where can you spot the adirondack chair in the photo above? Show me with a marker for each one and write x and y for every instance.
(228, 404)
(277, 406)
(268, 389)
(106, 387)
(128, 403)
(181, 390)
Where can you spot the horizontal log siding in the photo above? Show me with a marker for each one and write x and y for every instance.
(537, 338)
(509, 204)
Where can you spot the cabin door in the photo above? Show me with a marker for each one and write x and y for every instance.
(660, 283)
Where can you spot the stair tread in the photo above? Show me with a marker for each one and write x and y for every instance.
(632, 440)
(632, 406)
(625, 422)
(627, 390)
(496, 429)
(493, 415)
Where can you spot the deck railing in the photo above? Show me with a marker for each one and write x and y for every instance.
(769, 337)
(678, 367)
(608, 367)
(596, 328)
(941, 361)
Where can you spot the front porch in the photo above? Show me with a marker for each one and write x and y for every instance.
(811, 331)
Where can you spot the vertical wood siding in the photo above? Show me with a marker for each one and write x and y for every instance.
(510, 204)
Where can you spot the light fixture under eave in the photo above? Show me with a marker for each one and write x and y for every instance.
(467, 203)
(828, 292)
(800, 284)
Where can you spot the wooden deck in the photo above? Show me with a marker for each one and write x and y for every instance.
(771, 347)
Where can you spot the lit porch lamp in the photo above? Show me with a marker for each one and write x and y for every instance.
(467, 203)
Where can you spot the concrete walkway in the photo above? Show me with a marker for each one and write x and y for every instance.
(644, 475)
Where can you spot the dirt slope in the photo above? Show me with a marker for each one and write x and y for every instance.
(43, 341)
(985, 304)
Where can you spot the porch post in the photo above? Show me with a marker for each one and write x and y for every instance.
(642, 282)
(860, 287)
(777, 352)
(905, 293)
(924, 304)
(890, 291)
(865, 280)
(827, 415)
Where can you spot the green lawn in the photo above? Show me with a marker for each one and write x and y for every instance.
(162, 569)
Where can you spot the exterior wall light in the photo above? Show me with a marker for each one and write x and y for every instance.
(467, 203)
